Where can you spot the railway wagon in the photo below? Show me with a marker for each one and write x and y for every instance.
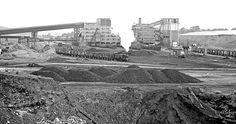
(70, 51)
(218, 52)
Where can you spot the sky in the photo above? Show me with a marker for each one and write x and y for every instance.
(123, 13)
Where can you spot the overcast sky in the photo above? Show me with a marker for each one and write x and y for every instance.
(123, 13)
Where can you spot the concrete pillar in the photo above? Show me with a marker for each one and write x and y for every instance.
(28, 42)
(19, 40)
(76, 32)
(34, 36)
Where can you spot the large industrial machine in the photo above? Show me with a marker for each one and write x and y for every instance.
(164, 32)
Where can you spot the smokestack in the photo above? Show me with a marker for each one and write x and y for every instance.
(140, 20)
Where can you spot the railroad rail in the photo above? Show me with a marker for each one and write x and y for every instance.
(218, 52)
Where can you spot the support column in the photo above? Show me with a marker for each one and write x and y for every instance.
(76, 32)
(19, 40)
(34, 36)
(28, 42)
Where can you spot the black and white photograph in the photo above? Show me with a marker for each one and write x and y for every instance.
(117, 62)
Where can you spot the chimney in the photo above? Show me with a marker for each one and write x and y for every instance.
(140, 20)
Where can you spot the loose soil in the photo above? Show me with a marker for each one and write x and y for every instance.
(102, 71)
(132, 76)
(159, 76)
(178, 77)
(51, 74)
(133, 66)
(60, 71)
(81, 75)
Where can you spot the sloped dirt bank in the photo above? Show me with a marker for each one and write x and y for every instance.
(30, 99)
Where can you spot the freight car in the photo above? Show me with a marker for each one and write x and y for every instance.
(70, 51)
(218, 52)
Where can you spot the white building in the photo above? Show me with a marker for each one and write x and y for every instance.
(100, 34)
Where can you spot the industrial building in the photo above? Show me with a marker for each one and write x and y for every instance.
(164, 31)
(100, 34)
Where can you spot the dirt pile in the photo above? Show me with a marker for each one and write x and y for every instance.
(81, 75)
(178, 77)
(225, 105)
(102, 71)
(34, 65)
(131, 75)
(176, 106)
(51, 74)
(135, 74)
(58, 70)
(164, 106)
(28, 99)
(23, 51)
(159, 76)
(133, 66)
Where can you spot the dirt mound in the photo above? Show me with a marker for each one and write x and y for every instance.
(82, 76)
(225, 105)
(102, 71)
(159, 77)
(131, 75)
(30, 99)
(60, 71)
(178, 77)
(51, 74)
(34, 65)
(133, 66)
(176, 106)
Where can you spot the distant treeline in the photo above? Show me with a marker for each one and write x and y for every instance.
(197, 29)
